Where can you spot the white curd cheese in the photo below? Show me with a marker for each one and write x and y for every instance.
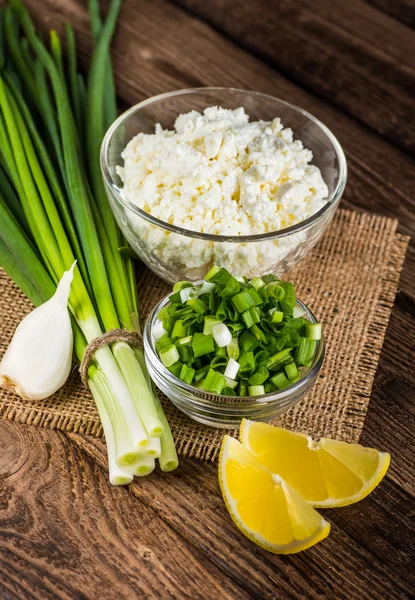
(218, 173)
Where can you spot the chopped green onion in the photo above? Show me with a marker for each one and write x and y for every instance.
(179, 330)
(246, 364)
(214, 382)
(197, 305)
(231, 288)
(259, 377)
(218, 362)
(243, 388)
(254, 295)
(305, 351)
(201, 373)
(279, 360)
(185, 352)
(232, 369)
(220, 351)
(209, 322)
(248, 341)
(185, 340)
(247, 318)
(207, 287)
(276, 315)
(164, 341)
(187, 374)
(260, 336)
(169, 355)
(176, 368)
(274, 290)
(158, 331)
(233, 348)
(256, 390)
(202, 344)
(231, 383)
(269, 387)
(243, 329)
(255, 314)
(180, 285)
(222, 277)
(280, 380)
(212, 272)
(185, 294)
(221, 335)
(292, 371)
(257, 283)
(243, 301)
(313, 331)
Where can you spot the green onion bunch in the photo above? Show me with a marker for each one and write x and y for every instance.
(54, 210)
(235, 337)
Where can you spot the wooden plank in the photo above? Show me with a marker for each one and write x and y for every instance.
(351, 54)
(402, 10)
(65, 532)
(349, 564)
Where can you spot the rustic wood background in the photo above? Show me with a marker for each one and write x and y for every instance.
(64, 531)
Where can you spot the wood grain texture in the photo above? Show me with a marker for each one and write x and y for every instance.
(349, 53)
(66, 533)
(402, 10)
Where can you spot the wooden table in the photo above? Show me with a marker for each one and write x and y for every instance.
(64, 531)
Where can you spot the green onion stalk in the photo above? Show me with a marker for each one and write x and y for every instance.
(54, 210)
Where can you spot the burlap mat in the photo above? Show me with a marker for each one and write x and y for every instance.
(349, 281)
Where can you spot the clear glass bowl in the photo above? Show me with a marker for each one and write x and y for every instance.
(210, 409)
(175, 253)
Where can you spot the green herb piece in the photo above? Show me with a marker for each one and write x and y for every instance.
(247, 318)
(202, 344)
(243, 388)
(256, 390)
(259, 377)
(197, 305)
(232, 348)
(243, 301)
(180, 285)
(176, 368)
(179, 330)
(291, 371)
(214, 382)
(280, 380)
(209, 322)
(169, 355)
(163, 342)
(201, 373)
(257, 283)
(280, 359)
(305, 351)
(313, 331)
(276, 315)
(187, 374)
(248, 341)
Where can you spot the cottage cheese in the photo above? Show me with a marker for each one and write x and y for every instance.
(218, 173)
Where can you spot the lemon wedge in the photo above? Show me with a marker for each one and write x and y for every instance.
(263, 506)
(327, 473)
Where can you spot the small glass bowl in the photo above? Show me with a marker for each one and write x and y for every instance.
(210, 409)
(175, 253)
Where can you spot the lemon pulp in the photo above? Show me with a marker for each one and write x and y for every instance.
(327, 473)
(263, 506)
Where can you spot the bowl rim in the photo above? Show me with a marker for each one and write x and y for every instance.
(234, 401)
(272, 235)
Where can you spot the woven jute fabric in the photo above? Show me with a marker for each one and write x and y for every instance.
(349, 280)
